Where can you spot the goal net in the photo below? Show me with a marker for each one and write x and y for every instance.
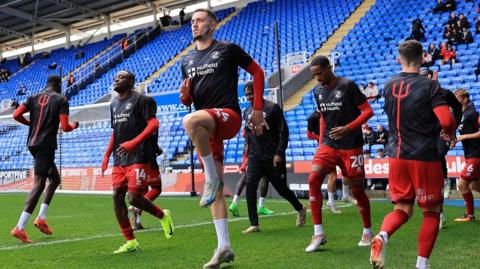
(80, 153)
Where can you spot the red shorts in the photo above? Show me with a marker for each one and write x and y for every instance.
(350, 161)
(471, 171)
(410, 179)
(136, 176)
(227, 124)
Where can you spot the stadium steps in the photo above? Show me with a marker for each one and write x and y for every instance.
(179, 56)
(328, 46)
(107, 49)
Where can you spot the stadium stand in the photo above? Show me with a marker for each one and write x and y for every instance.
(361, 60)
(255, 23)
(143, 62)
(35, 75)
(11, 65)
(369, 52)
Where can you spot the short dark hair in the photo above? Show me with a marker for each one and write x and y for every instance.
(321, 61)
(411, 51)
(210, 13)
(249, 85)
(132, 76)
(54, 79)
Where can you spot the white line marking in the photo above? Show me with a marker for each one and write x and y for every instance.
(78, 239)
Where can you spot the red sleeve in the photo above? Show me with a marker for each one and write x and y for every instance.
(108, 152)
(152, 127)
(66, 127)
(322, 129)
(18, 115)
(109, 149)
(366, 113)
(258, 84)
(445, 118)
(479, 120)
(312, 136)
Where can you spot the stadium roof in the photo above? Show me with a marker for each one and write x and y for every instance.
(48, 19)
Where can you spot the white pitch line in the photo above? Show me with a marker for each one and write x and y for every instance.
(78, 239)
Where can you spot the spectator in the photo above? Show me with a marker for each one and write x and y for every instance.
(477, 26)
(14, 105)
(27, 59)
(382, 135)
(427, 59)
(364, 128)
(418, 31)
(434, 52)
(79, 53)
(124, 44)
(440, 7)
(369, 137)
(21, 90)
(372, 92)
(4, 74)
(477, 70)
(464, 23)
(11, 108)
(52, 66)
(71, 80)
(458, 26)
(380, 153)
(455, 37)
(45, 54)
(366, 154)
(466, 36)
(182, 15)
(452, 20)
(449, 55)
(450, 5)
(447, 31)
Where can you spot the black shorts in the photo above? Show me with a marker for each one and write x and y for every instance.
(44, 160)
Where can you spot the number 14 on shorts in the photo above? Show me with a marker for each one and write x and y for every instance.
(140, 176)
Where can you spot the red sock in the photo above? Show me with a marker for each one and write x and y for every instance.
(428, 233)
(468, 198)
(158, 212)
(393, 221)
(127, 230)
(363, 204)
(316, 198)
(153, 194)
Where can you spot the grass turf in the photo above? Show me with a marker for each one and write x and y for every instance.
(86, 233)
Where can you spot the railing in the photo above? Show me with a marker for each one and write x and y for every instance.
(294, 58)
(116, 52)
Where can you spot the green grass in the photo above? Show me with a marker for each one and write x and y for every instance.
(87, 226)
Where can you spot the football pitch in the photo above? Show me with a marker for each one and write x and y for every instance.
(86, 233)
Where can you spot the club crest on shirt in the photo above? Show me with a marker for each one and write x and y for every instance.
(338, 94)
(128, 106)
(190, 62)
(215, 55)
(192, 72)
